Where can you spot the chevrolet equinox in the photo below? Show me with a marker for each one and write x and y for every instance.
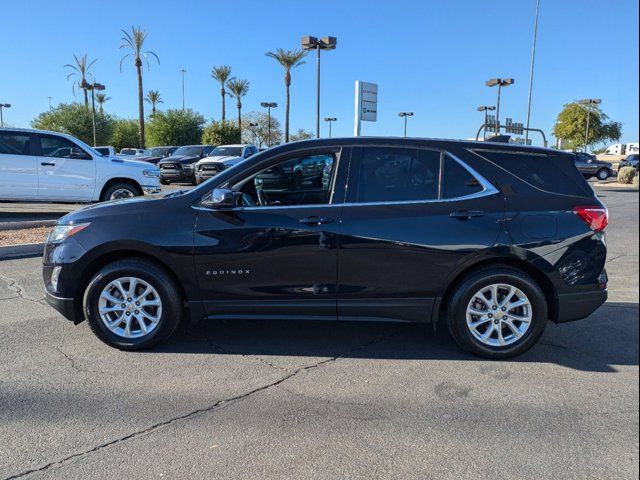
(490, 239)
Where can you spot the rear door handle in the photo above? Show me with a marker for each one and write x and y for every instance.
(48, 164)
(466, 214)
(315, 220)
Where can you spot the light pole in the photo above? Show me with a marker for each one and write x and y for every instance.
(50, 108)
(269, 106)
(533, 59)
(93, 87)
(183, 71)
(499, 82)
(313, 43)
(3, 105)
(330, 120)
(405, 115)
(587, 102)
(486, 109)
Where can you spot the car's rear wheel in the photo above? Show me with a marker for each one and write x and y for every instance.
(132, 304)
(497, 313)
(603, 174)
(120, 190)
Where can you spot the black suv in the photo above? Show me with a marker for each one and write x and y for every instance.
(492, 240)
(180, 165)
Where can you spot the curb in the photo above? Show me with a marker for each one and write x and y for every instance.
(27, 224)
(620, 186)
(22, 250)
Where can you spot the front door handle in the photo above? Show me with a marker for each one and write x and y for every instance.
(466, 214)
(48, 164)
(315, 220)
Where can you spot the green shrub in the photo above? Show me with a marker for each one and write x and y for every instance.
(75, 119)
(125, 134)
(174, 127)
(221, 133)
(626, 175)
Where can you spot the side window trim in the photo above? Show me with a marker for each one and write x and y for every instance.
(487, 188)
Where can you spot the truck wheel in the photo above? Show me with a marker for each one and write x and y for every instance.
(165, 182)
(120, 190)
(603, 174)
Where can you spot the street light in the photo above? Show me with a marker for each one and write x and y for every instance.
(269, 106)
(313, 43)
(533, 61)
(3, 105)
(499, 82)
(405, 115)
(588, 102)
(330, 120)
(183, 71)
(93, 87)
(486, 109)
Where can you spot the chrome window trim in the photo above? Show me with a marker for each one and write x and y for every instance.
(487, 190)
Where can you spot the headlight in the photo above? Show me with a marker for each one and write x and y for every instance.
(62, 232)
(151, 173)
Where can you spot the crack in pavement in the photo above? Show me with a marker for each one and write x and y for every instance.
(214, 406)
(74, 364)
(15, 287)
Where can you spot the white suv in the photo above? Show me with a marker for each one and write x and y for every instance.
(220, 158)
(53, 167)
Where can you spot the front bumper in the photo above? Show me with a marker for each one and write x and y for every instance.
(151, 189)
(66, 306)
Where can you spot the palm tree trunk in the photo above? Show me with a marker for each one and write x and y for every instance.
(224, 110)
(140, 105)
(240, 119)
(86, 97)
(287, 83)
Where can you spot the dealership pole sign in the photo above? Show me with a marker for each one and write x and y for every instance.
(366, 105)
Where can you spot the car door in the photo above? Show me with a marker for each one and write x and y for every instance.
(412, 217)
(66, 172)
(278, 259)
(18, 166)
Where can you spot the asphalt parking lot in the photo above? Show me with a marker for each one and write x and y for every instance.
(277, 399)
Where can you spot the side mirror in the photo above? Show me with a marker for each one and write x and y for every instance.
(220, 198)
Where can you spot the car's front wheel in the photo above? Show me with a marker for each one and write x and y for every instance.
(120, 190)
(132, 304)
(603, 174)
(497, 312)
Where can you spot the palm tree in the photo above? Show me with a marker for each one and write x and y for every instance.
(134, 41)
(154, 98)
(222, 75)
(288, 59)
(102, 98)
(238, 89)
(81, 71)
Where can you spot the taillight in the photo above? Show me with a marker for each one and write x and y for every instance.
(597, 217)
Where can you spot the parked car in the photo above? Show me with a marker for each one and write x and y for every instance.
(106, 151)
(46, 166)
(630, 161)
(131, 152)
(180, 166)
(590, 166)
(220, 158)
(490, 240)
(155, 154)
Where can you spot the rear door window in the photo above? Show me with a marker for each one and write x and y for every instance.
(14, 143)
(398, 174)
(457, 181)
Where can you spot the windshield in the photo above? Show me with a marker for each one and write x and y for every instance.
(226, 152)
(127, 151)
(188, 151)
(156, 151)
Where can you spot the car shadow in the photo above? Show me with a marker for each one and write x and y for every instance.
(606, 339)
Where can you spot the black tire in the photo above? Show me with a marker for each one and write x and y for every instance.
(603, 174)
(130, 187)
(155, 276)
(164, 181)
(465, 290)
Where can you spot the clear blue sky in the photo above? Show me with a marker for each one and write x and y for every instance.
(431, 57)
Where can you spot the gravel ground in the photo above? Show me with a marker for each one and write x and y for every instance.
(26, 235)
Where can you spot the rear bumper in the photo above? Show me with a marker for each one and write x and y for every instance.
(576, 306)
(66, 306)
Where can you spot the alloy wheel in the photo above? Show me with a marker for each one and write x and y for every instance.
(121, 193)
(130, 307)
(499, 315)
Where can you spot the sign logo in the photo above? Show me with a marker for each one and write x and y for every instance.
(230, 271)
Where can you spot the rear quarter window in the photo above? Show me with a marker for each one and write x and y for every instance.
(550, 173)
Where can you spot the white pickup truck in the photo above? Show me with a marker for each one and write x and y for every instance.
(46, 166)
